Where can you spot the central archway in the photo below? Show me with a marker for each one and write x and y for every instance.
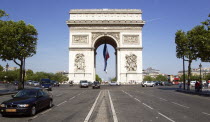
(109, 41)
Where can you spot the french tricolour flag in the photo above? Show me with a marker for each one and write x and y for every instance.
(106, 56)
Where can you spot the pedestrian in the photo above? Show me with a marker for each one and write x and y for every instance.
(196, 86)
(199, 86)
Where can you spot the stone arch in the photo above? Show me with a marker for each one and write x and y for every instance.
(106, 38)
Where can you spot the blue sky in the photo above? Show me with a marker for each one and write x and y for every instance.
(163, 18)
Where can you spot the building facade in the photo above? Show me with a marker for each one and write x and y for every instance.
(120, 28)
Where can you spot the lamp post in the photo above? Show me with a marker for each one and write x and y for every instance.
(200, 75)
(7, 67)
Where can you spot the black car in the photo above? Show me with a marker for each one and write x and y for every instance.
(27, 102)
(96, 84)
(55, 83)
(47, 84)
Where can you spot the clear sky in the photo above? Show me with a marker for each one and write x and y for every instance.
(163, 18)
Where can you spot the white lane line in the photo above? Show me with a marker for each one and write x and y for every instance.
(46, 111)
(147, 105)
(206, 113)
(58, 95)
(113, 110)
(91, 110)
(166, 117)
(61, 103)
(163, 99)
(71, 98)
(137, 99)
(180, 105)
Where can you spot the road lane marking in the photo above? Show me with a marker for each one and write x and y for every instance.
(71, 98)
(147, 105)
(163, 99)
(180, 105)
(137, 99)
(46, 111)
(206, 113)
(166, 117)
(91, 110)
(113, 110)
(58, 95)
(61, 103)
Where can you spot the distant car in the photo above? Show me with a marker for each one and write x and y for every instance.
(90, 83)
(84, 83)
(192, 83)
(166, 83)
(29, 82)
(114, 83)
(36, 83)
(96, 84)
(55, 83)
(16, 83)
(27, 102)
(157, 83)
(47, 84)
(148, 83)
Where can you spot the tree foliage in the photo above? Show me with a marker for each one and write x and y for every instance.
(161, 78)
(193, 45)
(17, 42)
(98, 78)
(148, 78)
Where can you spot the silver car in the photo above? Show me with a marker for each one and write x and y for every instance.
(148, 83)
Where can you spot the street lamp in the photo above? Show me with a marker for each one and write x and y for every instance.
(200, 75)
(7, 67)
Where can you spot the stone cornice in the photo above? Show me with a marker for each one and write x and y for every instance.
(105, 11)
(105, 22)
(130, 48)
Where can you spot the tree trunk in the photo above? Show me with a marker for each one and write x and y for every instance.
(189, 74)
(24, 71)
(21, 78)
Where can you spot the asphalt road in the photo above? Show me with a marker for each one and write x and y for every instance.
(120, 104)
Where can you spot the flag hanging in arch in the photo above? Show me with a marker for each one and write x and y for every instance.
(106, 56)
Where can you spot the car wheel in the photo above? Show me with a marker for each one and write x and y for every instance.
(33, 111)
(3, 115)
(50, 104)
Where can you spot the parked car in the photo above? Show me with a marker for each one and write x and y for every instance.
(36, 83)
(166, 83)
(148, 83)
(55, 83)
(157, 83)
(84, 83)
(27, 101)
(47, 84)
(29, 82)
(114, 83)
(96, 84)
(192, 83)
(16, 83)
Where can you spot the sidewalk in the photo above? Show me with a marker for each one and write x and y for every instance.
(204, 92)
(6, 89)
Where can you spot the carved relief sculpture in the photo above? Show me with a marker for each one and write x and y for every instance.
(115, 35)
(131, 62)
(131, 39)
(79, 62)
(80, 39)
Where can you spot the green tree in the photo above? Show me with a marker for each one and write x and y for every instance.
(98, 78)
(114, 79)
(17, 42)
(148, 78)
(1, 68)
(161, 78)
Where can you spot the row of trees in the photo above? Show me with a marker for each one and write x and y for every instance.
(11, 76)
(193, 45)
(157, 78)
(18, 41)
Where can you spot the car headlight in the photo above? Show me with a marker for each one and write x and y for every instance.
(2, 105)
(23, 105)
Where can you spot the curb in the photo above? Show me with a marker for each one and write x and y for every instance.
(7, 93)
(194, 93)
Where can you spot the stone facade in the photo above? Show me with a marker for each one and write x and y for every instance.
(89, 27)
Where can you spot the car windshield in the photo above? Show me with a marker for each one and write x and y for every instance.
(84, 81)
(26, 93)
(46, 82)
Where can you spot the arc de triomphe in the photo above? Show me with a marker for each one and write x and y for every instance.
(121, 28)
